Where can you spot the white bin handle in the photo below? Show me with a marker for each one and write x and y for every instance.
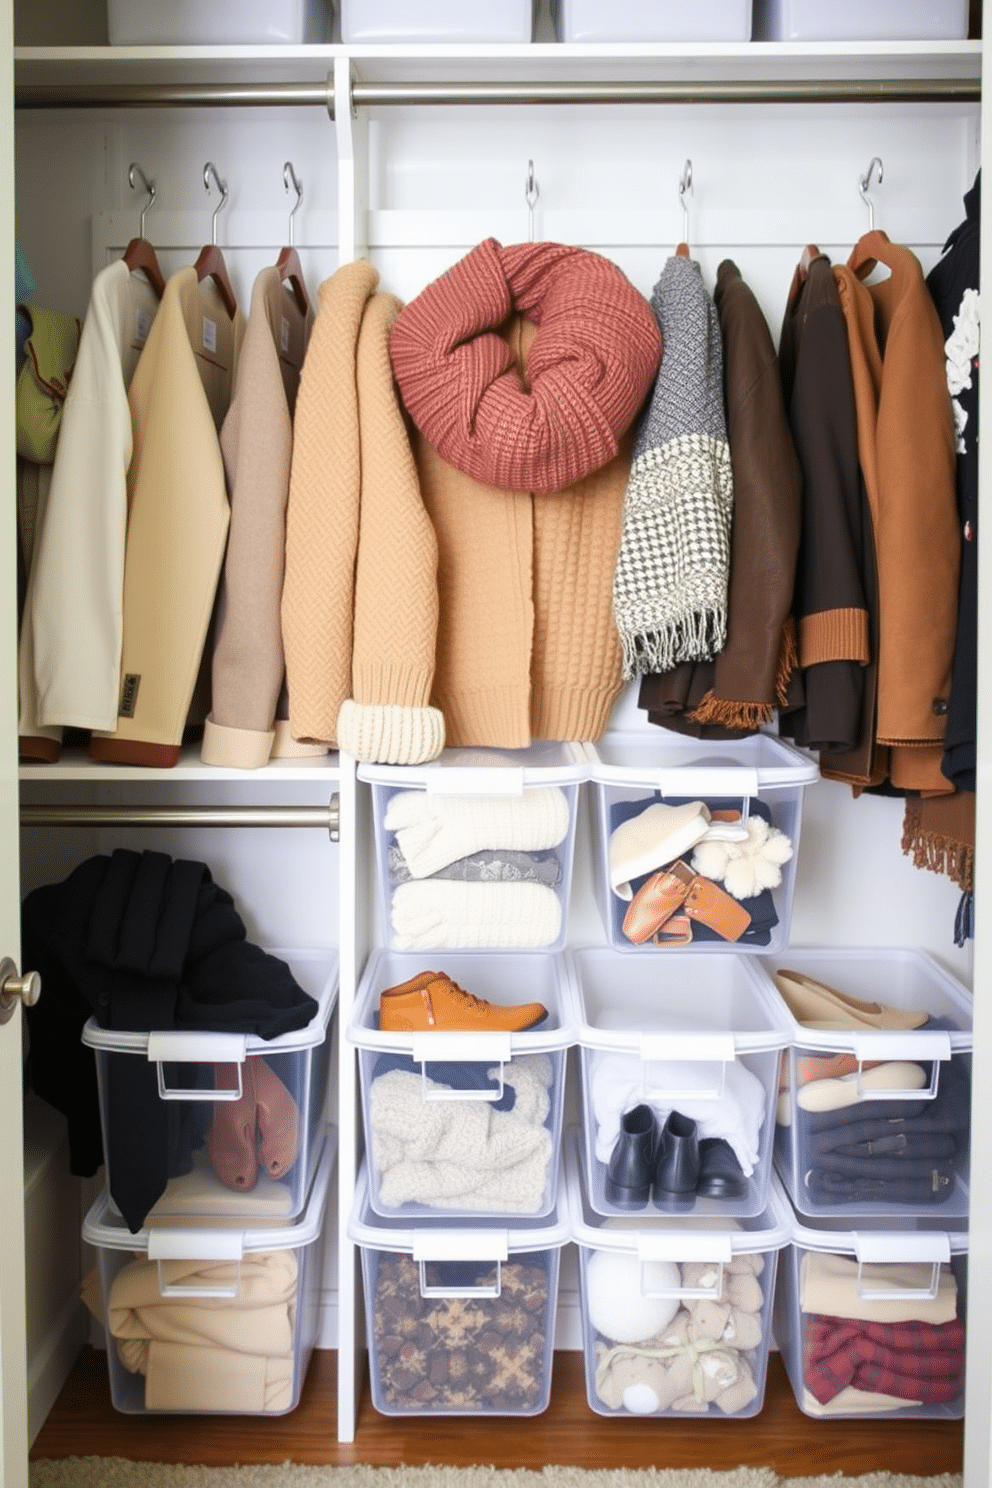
(461, 1245)
(474, 780)
(905, 1048)
(684, 1048)
(708, 782)
(933, 1248)
(461, 1048)
(196, 1245)
(172, 1047)
(673, 1246)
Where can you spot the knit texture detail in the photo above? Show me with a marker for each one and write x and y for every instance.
(446, 913)
(834, 635)
(672, 571)
(390, 735)
(433, 831)
(588, 372)
(323, 510)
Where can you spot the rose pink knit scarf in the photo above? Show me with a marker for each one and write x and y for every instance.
(590, 368)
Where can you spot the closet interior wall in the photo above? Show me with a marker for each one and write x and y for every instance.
(413, 188)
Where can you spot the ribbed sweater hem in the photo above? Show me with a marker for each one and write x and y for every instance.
(572, 713)
(495, 717)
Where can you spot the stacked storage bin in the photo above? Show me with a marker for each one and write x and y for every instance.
(872, 1144)
(460, 1192)
(212, 1305)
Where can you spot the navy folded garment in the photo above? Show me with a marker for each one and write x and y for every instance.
(834, 1188)
(906, 1146)
(949, 1112)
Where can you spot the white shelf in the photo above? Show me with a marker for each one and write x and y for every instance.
(76, 766)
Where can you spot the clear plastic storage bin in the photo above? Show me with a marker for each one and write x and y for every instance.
(215, 1319)
(464, 1123)
(676, 1315)
(460, 1320)
(364, 21)
(860, 20)
(218, 22)
(214, 1085)
(699, 1037)
(876, 1123)
(697, 840)
(475, 850)
(652, 20)
(871, 1322)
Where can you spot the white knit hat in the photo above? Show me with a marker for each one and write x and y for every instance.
(447, 913)
(659, 835)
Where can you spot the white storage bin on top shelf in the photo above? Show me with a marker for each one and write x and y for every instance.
(216, 1319)
(652, 20)
(364, 21)
(464, 1123)
(701, 1037)
(460, 1320)
(676, 1315)
(215, 1084)
(218, 22)
(875, 1122)
(475, 849)
(871, 1321)
(721, 876)
(860, 20)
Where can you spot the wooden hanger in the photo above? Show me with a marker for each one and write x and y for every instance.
(288, 263)
(210, 263)
(139, 255)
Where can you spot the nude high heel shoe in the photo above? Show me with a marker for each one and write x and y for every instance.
(817, 1005)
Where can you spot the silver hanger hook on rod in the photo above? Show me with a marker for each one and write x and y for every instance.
(685, 189)
(211, 170)
(863, 186)
(134, 169)
(289, 178)
(531, 193)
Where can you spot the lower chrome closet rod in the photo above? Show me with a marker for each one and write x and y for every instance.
(327, 816)
(739, 90)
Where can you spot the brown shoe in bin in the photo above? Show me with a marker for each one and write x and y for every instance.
(432, 1000)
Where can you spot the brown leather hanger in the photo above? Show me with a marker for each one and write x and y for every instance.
(210, 263)
(139, 255)
(288, 263)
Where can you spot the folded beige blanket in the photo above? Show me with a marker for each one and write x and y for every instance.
(828, 1284)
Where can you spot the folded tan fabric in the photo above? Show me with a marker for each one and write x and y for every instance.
(184, 1377)
(829, 1284)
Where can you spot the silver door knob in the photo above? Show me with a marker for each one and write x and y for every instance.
(14, 988)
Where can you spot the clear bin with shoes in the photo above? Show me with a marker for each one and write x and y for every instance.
(873, 1114)
(209, 1318)
(697, 840)
(463, 1088)
(460, 1320)
(234, 1122)
(680, 1068)
(475, 849)
(677, 1314)
(870, 1321)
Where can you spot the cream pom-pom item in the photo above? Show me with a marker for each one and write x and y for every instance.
(745, 868)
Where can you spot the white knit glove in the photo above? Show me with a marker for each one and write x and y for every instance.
(433, 831)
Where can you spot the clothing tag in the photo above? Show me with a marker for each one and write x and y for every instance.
(129, 694)
(284, 337)
(142, 325)
(209, 334)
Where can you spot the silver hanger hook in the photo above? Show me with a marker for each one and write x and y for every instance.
(211, 170)
(863, 186)
(289, 178)
(685, 188)
(134, 169)
(531, 193)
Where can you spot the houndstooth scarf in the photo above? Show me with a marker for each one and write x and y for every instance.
(671, 577)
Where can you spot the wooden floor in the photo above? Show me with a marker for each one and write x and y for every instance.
(84, 1423)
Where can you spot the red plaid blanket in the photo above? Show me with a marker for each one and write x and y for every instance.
(913, 1360)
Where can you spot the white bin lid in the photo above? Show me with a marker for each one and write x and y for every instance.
(692, 1039)
(488, 772)
(684, 767)
(451, 1240)
(214, 1239)
(315, 970)
(918, 1237)
(676, 1237)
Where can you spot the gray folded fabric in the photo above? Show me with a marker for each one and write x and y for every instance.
(489, 864)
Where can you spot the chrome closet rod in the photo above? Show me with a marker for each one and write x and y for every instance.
(327, 816)
(740, 90)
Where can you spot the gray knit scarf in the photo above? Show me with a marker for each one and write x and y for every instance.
(670, 582)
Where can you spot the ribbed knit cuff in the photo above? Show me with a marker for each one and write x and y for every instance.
(243, 749)
(386, 734)
(834, 635)
(573, 713)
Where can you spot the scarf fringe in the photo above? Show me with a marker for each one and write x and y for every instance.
(788, 660)
(731, 715)
(697, 638)
(938, 854)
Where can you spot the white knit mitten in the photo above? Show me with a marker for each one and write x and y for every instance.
(433, 831)
(447, 912)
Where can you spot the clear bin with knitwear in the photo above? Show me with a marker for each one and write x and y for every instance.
(365, 21)
(462, 1122)
(218, 23)
(860, 20)
(652, 20)
(460, 1320)
(683, 1040)
(475, 850)
(873, 1118)
(210, 1318)
(870, 1321)
(697, 840)
(676, 1314)
(235, 1121)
